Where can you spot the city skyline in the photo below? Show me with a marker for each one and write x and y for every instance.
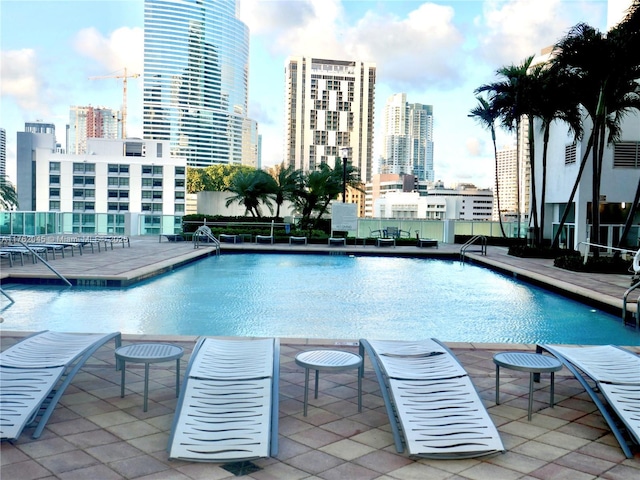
(437, 53)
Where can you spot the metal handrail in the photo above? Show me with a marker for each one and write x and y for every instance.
(206, 231)
(472, 241)
(7, 295)
(33, 252)
(624, 305)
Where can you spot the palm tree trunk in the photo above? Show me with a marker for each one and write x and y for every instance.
(598, 152)
(567, 208)
(630, 217)
(543, 193)
(533, 206)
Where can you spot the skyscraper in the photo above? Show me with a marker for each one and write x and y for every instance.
(408, 138)
(90, 122)
(196, 67)
(330, 105)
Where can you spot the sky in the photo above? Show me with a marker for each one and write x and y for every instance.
(436, 52)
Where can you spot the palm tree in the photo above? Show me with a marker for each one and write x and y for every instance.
(318, 188)
(604, 70)
(286, 182)
(251, 188)
(486, 116)
(8, 194)
(509, 98)
(552, 99)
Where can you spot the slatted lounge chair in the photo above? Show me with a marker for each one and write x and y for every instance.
(615, 373)
(228, 405)
(431, 402)
(35, 372)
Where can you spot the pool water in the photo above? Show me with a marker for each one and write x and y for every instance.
(322, 296)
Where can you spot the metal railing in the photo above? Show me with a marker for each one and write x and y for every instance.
(204, 231)
(625, 297)
(477, 239)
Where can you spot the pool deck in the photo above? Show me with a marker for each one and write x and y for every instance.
(96, 434)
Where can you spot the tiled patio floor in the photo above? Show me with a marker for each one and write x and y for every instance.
(95, 434)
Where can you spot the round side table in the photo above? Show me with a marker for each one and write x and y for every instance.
(534, 363)
(328, 361)
(148, 353)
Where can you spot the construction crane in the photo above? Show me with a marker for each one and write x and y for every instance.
(124, 78)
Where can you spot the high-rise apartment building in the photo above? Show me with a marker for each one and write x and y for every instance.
(408, 138)
(90, 122)
(196, 68)
(329, 106)
(3, 152)
(36, 136)
(507, 176)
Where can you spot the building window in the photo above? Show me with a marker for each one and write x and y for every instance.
(157, 195)
(156, 207)
(112, 168)
(147, 182)
(78, 206)
(146, 169)
(180, 170)
(570, 154)
(179, 207)
(54, 192)
(147, 194)
(54, 179)
(133, 149)
(54, 205)
(159, 150)
(112, 207)
(157, 169)
(626, 155)
(123, 207)
(124, 182)
(113, 181)
(124, 168)
(157, 182)
(78, 193)
(180, 183)
(179, 196)
(54, 166)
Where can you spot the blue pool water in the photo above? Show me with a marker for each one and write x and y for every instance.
(320, 296)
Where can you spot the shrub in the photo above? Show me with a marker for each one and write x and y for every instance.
(525, 251)
(576, 263)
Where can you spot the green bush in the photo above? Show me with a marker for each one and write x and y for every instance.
(576, 263)
(526, 251)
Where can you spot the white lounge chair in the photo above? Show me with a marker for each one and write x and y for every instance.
(431, 400)
(228, 405)
(35, 372)
(616, 375)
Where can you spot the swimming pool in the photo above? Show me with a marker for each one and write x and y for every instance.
(322, 296)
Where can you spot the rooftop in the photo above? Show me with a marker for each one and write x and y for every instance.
(96, 434)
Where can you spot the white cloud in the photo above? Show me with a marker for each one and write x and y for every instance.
(474, 146)
(512, 30)
(420, 50)
(21, 80)
(123, 47)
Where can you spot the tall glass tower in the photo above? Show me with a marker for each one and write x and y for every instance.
(196, 68)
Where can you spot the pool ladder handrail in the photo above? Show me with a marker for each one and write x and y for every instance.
(624, 305)
(473, 240)
(203, 230)
(36, 255)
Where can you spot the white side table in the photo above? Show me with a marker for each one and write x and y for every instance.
(328, 361)
(148, 353)
(534, 363)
